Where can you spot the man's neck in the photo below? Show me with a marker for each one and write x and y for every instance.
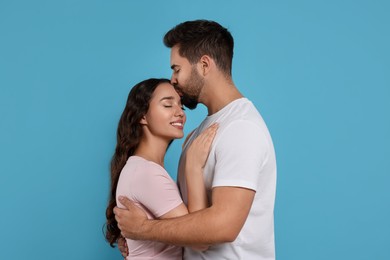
(220, 95)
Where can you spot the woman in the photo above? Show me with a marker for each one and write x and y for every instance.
(152, 118)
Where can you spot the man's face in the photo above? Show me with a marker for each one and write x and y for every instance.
(186, 79)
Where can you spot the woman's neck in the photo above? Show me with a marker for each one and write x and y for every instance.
(152, 151)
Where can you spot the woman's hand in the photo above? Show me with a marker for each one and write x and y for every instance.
(196, 158)
(122, 245)
(199, 150)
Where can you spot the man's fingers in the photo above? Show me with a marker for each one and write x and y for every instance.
(126, 202)
(118, 214)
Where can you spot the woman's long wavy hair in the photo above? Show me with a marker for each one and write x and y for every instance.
(129, 135)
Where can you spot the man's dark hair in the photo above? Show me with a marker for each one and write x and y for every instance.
(203, 37)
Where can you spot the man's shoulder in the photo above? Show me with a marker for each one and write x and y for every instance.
(244, 113)
(244, 109)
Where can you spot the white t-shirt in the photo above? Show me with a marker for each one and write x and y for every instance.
(242, 155)
(152, 189)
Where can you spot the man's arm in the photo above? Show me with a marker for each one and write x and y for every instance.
(221, 222)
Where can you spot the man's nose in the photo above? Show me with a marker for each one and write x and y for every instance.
(173, 80)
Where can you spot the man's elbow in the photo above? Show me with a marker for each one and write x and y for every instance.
(228, 236)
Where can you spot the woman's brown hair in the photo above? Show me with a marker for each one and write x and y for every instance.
(129, 134)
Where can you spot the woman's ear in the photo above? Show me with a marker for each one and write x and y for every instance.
(143, 121)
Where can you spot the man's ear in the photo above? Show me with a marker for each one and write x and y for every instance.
(143, 121)
(205, 64)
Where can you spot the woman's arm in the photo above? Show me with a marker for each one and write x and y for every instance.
(196, 158)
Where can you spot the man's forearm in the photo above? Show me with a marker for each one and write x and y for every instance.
(222, 222)
(199, 228)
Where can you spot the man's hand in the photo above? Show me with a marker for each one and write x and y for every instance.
(130, 220)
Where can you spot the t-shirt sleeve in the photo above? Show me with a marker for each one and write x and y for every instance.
(156, 190)
(241, 152)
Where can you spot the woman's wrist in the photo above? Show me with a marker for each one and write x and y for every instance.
(193, 169)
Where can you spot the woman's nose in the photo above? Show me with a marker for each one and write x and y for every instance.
(179, 111)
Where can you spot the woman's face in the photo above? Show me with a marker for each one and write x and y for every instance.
(165, 117)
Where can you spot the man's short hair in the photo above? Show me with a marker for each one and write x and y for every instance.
(203, 37)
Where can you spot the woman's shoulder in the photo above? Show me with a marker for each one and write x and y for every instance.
(139, 165)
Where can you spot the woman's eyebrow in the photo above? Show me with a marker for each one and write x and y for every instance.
(167, 98)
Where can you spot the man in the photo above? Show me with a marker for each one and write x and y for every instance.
(240, 173)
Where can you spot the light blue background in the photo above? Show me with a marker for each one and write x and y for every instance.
(319, 72)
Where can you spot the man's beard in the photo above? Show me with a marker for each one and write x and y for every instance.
(194, 84)
(190, 101)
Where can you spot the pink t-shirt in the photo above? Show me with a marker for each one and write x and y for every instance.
(152, 189)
